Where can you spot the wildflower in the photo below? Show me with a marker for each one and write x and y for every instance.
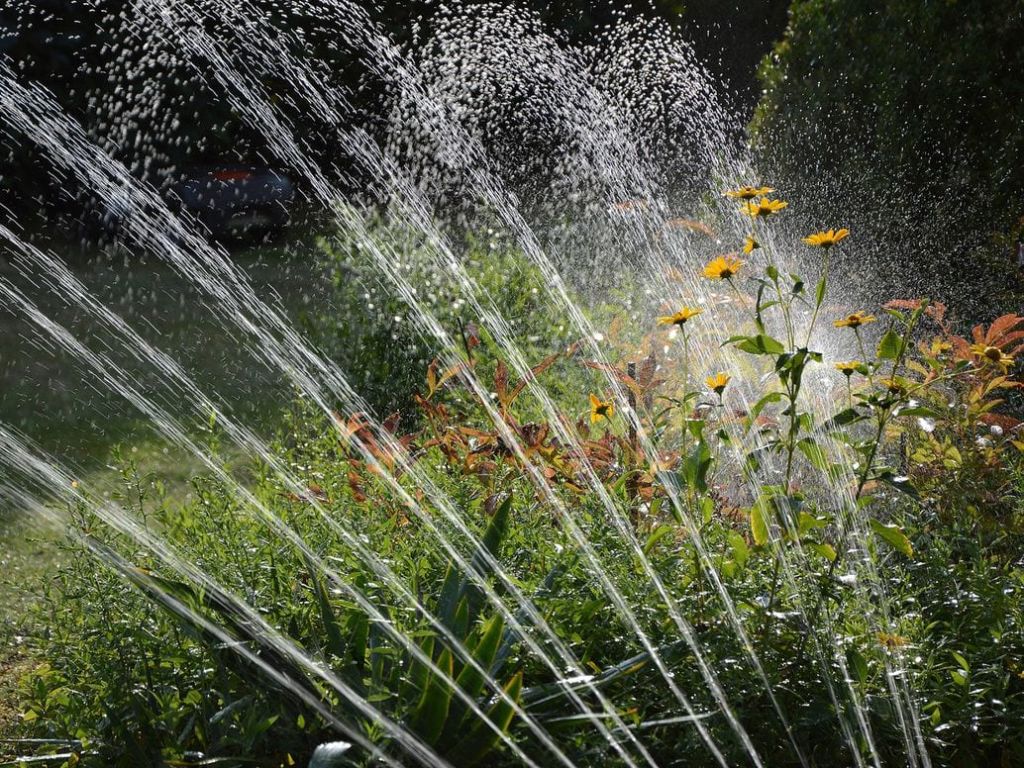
(722, 267)
(855, 321)
(826, 239)
(988, 355)
(748, 193)
(600, 409)
(849, 367)
(750, 244)
(718, 382)
(763, 208)
(680, 317)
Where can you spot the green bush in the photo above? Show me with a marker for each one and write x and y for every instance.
(903, 120)
(886, 552)
(379, 342)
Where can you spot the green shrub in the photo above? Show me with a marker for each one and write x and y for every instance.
(379, 342)
(147, 659)
(903, 119)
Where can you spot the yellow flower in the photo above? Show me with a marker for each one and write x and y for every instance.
(827, 238)
(992, 356)
(718, 382)
(748, 193)
(849, 367)
(600, 409)
(750, 244)
(722, 268)
(680, 317)
(856, 320)
(763, 208)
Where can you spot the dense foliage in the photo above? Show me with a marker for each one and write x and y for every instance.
(907, 116)
(405, 565)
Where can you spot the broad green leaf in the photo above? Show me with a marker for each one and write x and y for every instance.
(819, 294)
(695, 467)
(481, 739)
(890, 346)
(470, 680)
(657, 535)
(827, 551)
(858, 666)
(815, 454)
(893, 536)
(761, 344)
(771, 397)
(430, 715)
(740, 550)
(758, 525)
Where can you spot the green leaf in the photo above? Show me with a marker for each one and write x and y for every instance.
(359, 630)
(843, 419)
(827, 551)
(415, 683)
(771, 397)
(448, 600)
(858, 666)
(430, 715)
(482, 739)
(740, 550)
(461, 628)
(816, 455)
(959, 658)
(491, 542)
(695, 467)
(657, 535)
(470, 680)
(761, 344)
(893, 536)
(335, 642)
(758, 525)
(819, 294)
(890, 346)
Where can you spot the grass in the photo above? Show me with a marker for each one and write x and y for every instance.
(54, 400)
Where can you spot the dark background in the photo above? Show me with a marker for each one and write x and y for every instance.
(104, 75)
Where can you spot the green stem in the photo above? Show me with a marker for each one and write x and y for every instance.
(818, 303)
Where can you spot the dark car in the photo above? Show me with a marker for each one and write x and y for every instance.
(231, 202)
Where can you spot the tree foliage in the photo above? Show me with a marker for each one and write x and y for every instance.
(909, 111)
